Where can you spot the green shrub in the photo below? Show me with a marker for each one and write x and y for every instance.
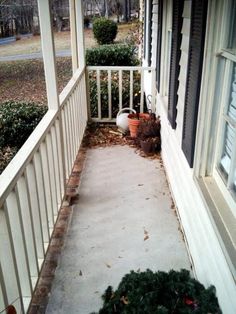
(17, 121)
(112, 55)
(160, 293)
(104, 30)
(6, 155)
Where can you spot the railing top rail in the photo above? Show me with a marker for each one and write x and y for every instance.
(116, 68)
(70, 86)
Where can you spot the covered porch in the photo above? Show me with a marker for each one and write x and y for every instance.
(133, 218)
(124, 220)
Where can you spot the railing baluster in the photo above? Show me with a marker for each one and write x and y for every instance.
(56, 164)
(60, 157)
(23, 196)
(52, 174)
(41, 197)
(34, 204)
(68, 136)
(142, 91)
(20, 234)
(99, 94)
(109, 96)
(120, 89)
(131, 95)
(79, 113)
(8, 263)
(66, 142)
(84, 109)
(71, 113)
(153, 88)
(3, 291)
(76, 106)
(48, 194)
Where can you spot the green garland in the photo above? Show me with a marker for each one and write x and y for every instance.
(147, 292)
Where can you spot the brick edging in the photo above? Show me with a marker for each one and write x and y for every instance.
(43, 287)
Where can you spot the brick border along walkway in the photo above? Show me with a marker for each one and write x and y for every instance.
(42, 291)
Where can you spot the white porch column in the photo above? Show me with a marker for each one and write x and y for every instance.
(80, 33)
(48, 50)
(73, 35)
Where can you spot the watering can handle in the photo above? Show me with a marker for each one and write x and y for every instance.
(123, 109)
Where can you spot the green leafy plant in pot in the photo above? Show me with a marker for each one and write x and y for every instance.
(149, 134)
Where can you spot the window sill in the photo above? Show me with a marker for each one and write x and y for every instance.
(222, 218)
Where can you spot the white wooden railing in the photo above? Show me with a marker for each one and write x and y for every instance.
(32, 188)
(116, 87)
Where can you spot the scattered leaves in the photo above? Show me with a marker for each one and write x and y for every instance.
(108, 265)
(124, 300)
(146, 238)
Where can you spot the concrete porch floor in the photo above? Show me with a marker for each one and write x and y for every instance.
(124, 220)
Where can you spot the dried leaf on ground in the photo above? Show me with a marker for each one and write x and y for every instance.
(146, 238)
(124, 300)
(108, 265)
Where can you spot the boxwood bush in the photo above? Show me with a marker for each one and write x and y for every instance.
(160, 293)
(17, 121)
(104, 30)
(112, 55)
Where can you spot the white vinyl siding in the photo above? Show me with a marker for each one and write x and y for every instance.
(183, 68)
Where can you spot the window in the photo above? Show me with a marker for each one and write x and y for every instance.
(225, 159)
(215, 156)
(226, 164)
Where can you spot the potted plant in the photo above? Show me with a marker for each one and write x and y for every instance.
(149, 134)
(134, 120)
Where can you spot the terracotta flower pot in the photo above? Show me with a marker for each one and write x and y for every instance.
(134, 121)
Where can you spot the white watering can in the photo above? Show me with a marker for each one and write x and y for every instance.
(122, 119)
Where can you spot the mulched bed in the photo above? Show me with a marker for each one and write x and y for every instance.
(24, 80)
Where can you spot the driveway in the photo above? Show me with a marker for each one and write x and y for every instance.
(36, 55)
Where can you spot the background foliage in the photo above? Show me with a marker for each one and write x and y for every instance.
(17, 121)
(104, 30)
(112, 55)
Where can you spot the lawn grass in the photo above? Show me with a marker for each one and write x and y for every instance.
(32, 44)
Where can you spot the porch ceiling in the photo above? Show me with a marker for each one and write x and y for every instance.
(124, 221)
